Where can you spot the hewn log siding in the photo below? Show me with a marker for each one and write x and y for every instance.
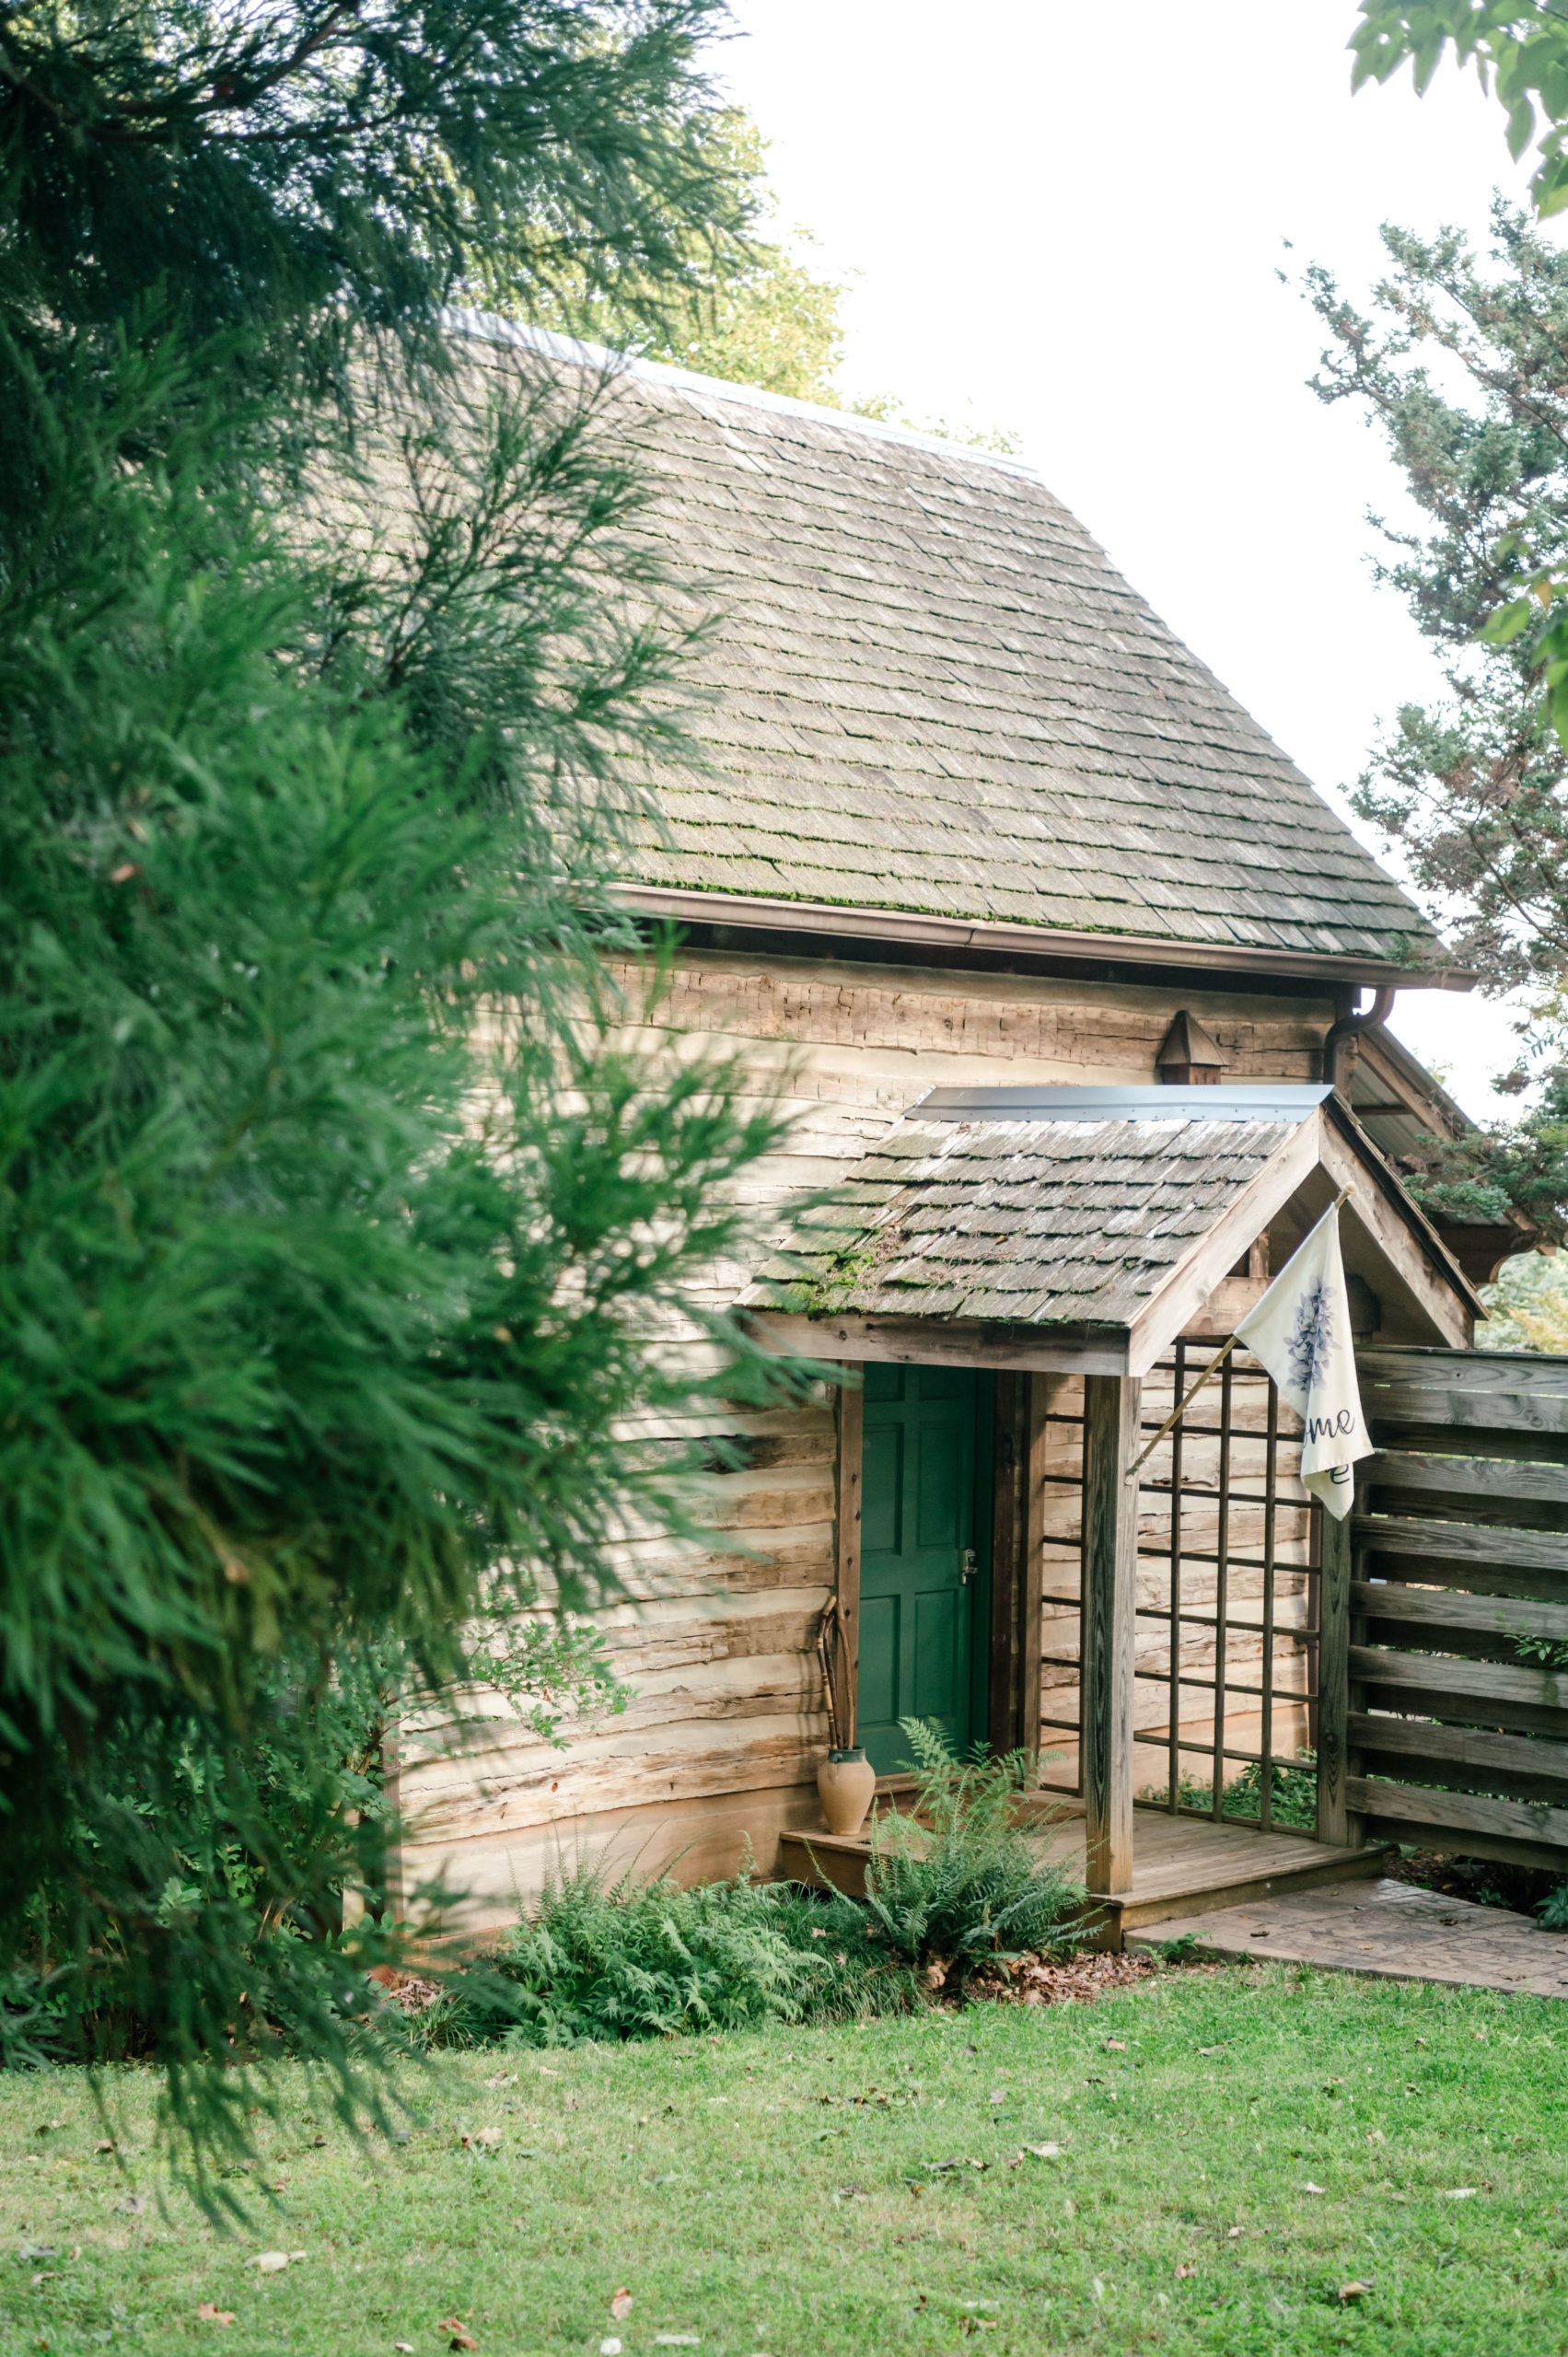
(721, 1740)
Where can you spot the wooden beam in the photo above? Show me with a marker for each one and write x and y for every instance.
(1042, 1390)
(1334, 1820)
(846, 1526)
(1110, 1565)
(1182, 1295)
(934, 1342)
(1002, 1691)
(1433, 1281)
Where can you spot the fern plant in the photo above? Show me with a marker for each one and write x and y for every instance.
(599, 1961)
(958, 1885)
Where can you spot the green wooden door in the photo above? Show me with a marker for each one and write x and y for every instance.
(920, 1580)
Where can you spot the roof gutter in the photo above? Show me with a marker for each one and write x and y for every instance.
(1349, 1026)
(901, 929)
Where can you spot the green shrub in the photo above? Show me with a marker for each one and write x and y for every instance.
(653, 1959)
(958, 1885)
(1554, 1909)
(1292, 1793)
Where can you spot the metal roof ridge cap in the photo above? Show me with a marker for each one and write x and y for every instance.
(685, 903)
(489, 327)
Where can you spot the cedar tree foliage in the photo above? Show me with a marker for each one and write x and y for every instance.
(1463, 364)
(343, 1252)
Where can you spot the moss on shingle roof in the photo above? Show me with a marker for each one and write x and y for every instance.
(933, 692)
(1036, 1223)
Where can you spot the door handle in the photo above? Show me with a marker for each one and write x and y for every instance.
(970, 1570)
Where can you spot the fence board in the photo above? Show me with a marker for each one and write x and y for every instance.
(1463, 1542)
(1483, 1682)
(1549, 1855)
(1460, 1812)
(1517, 1373)
(1460, 1542)
(1486, 1478)
(1500, 1619)
(1437, 1754)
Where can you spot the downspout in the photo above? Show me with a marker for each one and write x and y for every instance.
(1349, 1026)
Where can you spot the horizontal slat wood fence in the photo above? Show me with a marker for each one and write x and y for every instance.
(1444, 1706)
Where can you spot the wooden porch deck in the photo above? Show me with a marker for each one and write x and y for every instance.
(1181, 1864)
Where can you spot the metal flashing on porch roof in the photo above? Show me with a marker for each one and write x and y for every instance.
(1245, 1101)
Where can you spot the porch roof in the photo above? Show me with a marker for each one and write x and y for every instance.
(1107, 1211)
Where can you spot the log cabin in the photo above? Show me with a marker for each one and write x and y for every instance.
(1057, 962)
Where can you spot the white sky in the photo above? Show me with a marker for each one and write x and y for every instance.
(1068, 221)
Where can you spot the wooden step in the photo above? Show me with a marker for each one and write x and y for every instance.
(1178, 1864)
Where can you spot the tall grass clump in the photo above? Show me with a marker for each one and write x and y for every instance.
(958, 1885)
(594, 1959)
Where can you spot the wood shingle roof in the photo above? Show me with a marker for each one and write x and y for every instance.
(931, 691)
(1036, 1223)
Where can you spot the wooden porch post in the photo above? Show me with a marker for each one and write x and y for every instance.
(851, 1426)
(1110, 1565)
(1336, 1821)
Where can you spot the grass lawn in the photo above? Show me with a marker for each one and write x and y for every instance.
(1235, 2148)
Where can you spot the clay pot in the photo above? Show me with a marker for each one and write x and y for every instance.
(845, 1783)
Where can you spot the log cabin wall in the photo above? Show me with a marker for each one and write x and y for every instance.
(721, 1739)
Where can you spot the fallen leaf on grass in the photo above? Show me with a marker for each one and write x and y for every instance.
(678, 2340)
(208, 2314)
(1211, 2049)
(1234, 2236)
(485, 2139)
(404, 2347)
(1458, 2193)
(502, 2079)
(620, 2305)
(1118, 2046)
(1046, 2152)
(1310, 2187)
(458, 2337)
(998, 2095)
(1357, 2291)
(136, 2205)
(610, 2347)
(271, 2262)
(1185, 2269)
(104, 2145)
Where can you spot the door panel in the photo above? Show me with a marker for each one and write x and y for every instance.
(919, 1621)
(878, 1688)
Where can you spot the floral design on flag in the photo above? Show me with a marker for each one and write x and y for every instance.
(1311, 1338)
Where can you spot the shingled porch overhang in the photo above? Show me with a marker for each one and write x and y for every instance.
(1081, 1230)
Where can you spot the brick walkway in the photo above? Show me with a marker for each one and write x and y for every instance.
(1386, 1928)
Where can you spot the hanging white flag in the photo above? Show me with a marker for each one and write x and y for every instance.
(1301, 1331)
